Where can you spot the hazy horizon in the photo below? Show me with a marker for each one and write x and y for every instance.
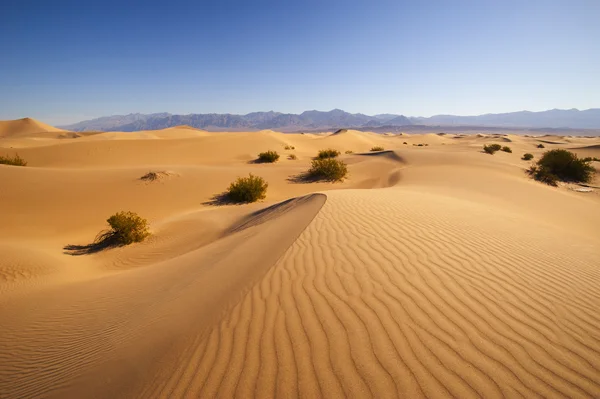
(425, 59)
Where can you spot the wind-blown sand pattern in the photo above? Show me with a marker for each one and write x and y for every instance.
(433, 271)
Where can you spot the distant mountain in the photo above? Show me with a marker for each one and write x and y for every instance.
(555, 118)
(337, 119)
(333, 119)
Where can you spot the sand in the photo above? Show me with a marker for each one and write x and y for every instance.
(432, 271)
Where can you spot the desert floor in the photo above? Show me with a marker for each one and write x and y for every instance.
(432, 271)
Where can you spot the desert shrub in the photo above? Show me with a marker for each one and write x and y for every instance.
(290, 147)
(125, 228)
(15, 161)
(269, 156)
(506, 149)
(349, 152)
(293, 157)
(247, 189)
(377, 148)
(419, 145)
(527, 157)
(590, 159)
(562, 165)
(542, 174)
(328, 153)
(540, 146)
(328, 169)
(491, 148)
(405, 143)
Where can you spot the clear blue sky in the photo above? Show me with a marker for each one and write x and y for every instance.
(65, 61)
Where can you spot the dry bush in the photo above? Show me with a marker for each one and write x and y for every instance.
(377, 148)
(293, 157)
(328, 169)
(562, 165)
(506, 149)
(247, 189)
(527, 157)
(15, 161)
(491, 148)
(126, 228)
(268, 157)
(289, 147)
(349, 152)
(328, 153)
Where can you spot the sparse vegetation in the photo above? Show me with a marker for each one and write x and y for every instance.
(125, 228)
(540, 146)
(268, 157)
(591, 159)
(491, 148)
(328, 153)
(377, 148)
(506, 149)
(15, 160)
(405, 143)
(247, 189)
(561, 165)
(328, 169)
(349, 152)
(527, 157)
(290, 147)
(293, 157)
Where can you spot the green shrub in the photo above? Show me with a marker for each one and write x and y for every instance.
(543, 175)
(506, 149)
(15, 161)
(540, 146)
(377, 148)
(125, 228)
(269, 156)
(349, 152)
(328, 153)
(247, 189)
(328, 169)
(293, 157)
(527, 157)
(290, 147)
(561, 165)
(492, 148)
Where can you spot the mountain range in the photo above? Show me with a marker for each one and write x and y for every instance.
(335, 119)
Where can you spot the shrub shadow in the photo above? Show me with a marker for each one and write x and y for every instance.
(104, 240)
(222, 199)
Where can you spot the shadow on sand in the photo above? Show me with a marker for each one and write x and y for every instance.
(104, 240)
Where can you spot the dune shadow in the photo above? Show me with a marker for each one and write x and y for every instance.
(104, 240)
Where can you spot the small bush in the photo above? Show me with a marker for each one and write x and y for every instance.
(268, 157)
(405, 143)
(419, 145)
(527, 157)
(290, 147)
(590, 159)
(506, 149)
(491, 148)
(349, 152)
(126, 228)
(377, 148)
(328, 169)
(293, 157)
(540, 146)
(15, 161)
(328, 153)
(247, 189)
(561, 165)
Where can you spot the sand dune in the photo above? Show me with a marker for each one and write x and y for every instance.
(433, 271)
(25, 127)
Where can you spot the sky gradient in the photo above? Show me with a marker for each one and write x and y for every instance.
(66, 61)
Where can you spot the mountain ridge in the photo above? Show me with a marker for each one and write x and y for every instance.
(337, 118)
